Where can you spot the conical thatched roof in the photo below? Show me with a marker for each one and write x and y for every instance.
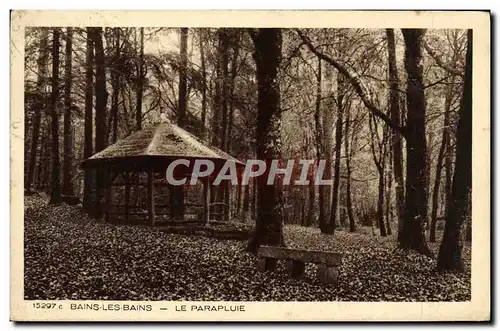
(164, 140)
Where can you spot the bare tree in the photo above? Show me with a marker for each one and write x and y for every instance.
(450, 251)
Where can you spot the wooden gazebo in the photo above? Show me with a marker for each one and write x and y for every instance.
(147, 154)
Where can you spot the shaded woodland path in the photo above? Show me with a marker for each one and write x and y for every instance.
(109, 262)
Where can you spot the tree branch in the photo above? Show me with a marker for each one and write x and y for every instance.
(355, 82)
(440, 62)
(436, 82)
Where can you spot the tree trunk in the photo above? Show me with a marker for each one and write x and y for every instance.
(55, 194)
(228, 111)
(320, 149)
(47, 161)
(350, 212)
(182, 117)
(327, 113)
(43, 56)
(338, 146)
(204, 84)
(238, 199)
(115, 85)
(224, 88)
(217, 102)
(88, 126)
(140, 84)
(40, 183)
(448, 162)
(254, 199)
(439, 165)
(269, 224)
(231, 83)
(417, 179)
(388, 195)
(312, 199)
(459, 205)
(435, 193)
(397, 155)
(246, 200)
(380, 202)
(100, 93)
(178, 195)
(100, 117)
(68, 135)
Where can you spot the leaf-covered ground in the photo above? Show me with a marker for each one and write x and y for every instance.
(69, 256)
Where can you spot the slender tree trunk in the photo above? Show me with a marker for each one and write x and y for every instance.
(41, 156)
(303, 207)
(312, 199)
(328, 109)
(100, 93)
(269, 224)
(88, 149)
(115, 84)
(238, 199)
(254, 199)
(388, 195)
(204, 84)
(350, 212)
(178, 191)
(448, 162)
(228, 111)
(439, 165)
(435, 194)
(380, 202)
(417, 178)
(68, 135)
(140, 83)
(450, 251)
(318, 120)
(217, 102)
(182, 117)
(101, 116)
(394, 110)
(43, 56)
(224, 94)
(46, 164)
(338, 146)
(55, 194)
(232, 82)
(246, 200)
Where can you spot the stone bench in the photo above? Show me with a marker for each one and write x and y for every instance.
(328, 262)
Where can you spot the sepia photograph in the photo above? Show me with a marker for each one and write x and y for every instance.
(219, 165)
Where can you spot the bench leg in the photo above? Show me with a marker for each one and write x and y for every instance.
(296, 268)
(266, 263)
(328, 274)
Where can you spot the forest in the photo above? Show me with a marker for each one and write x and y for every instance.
(388, 110)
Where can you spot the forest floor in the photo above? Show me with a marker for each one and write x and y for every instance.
(69, 256)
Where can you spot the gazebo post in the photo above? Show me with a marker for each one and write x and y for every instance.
(127, 196)
(206, 200)
(151, 200)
